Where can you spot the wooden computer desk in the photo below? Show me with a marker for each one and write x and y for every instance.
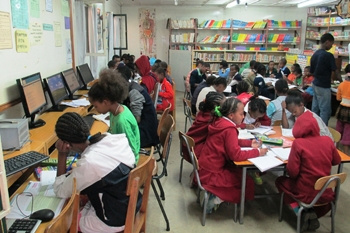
(245, 165)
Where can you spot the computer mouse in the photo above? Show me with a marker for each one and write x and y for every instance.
(44, 215)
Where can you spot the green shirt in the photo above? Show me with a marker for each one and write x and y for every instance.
(299, 80)
(126, 123)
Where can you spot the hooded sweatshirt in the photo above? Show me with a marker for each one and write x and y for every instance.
(308, 162)
(149, 79)
(216, 172)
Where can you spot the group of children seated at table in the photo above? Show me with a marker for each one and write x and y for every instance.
(107, 159)
(217, 147)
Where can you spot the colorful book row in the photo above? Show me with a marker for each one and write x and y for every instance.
(183, 38)
(248, 38)
(216, 39)
(215, 24)
(283, 24)
(210, 56)
(181, 47)
(183, 23)
(282, 38)
(208, 48)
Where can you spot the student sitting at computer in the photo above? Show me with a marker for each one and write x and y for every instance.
(143, 68)
(140, 104)
(101, 173)
(107, 96)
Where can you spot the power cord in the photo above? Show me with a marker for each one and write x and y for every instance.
(31, 211)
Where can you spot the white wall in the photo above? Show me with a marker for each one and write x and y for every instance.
(202, 13)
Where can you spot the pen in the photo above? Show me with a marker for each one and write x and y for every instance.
(72, 162)
(257, 141)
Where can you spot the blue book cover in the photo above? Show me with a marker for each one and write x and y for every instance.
(235, 23)
(261, 39)
(272, 23)
(228, 23)
(288, 24)
(286, 39)
(253, 38)
(206, 22)
(243, 24)
(262, 48)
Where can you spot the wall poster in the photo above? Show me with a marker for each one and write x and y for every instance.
(147, 27)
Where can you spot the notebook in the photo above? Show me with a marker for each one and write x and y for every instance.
(281, 153)
(244, 134)
(266, 162)
(261, 129)
(287, 132)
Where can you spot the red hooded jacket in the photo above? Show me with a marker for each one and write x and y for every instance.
(148, 77)
(167, 95)
(265, 120)
(308, 162)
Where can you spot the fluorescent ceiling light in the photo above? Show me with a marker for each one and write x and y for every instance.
(313, 2)
(231, 4)
(277, 3)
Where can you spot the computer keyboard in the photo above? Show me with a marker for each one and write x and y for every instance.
(24, 225)
(23, 161)
(89, 120)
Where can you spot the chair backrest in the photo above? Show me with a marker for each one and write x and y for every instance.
(277, 123)
(164, 114)
(320, 183)
(189, 107)
(141, 175)
(165, 134)
(68, 218)
(336, 135)
(156, 90)
(152, 96)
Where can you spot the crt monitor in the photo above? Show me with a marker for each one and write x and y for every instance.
(57, 91)
(33, 97)
(72, 83)
(85, 73)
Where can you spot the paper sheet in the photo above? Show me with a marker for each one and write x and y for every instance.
(77, 103)
(47, 177)
(264, 163)
(260, 130)
(287, 132)
(244, 134)
(102, 117)
(48, 5)
(5, 31)
(47, 27)
(271, 80)
(66, 23)
(22, 42)
(36, 34)
(34, 6)
(65, 8)
(57, 32)
(20, 17)
(68, 51)
(228, 89)
(282, 153)
(263, 97)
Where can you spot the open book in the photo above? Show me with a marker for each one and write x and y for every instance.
(266, 162)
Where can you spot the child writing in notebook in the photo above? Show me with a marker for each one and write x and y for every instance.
(262, 88)
(166, 93)
(343, 113)
(274, 110)
(294, 103)
(101, 173)
(107, 96)
(254, 114)
(312, 157)
(216, 172)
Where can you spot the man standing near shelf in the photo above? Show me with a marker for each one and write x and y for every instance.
(198, 75)
(322, 65)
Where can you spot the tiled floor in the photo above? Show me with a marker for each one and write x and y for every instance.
(261, 215)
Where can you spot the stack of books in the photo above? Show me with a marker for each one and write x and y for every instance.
(216, 39)
(272, 24)
(175, 24)
(209, 56)
(243, 48)
(318, 22)
(311, 34)
(212, 24)
(208, 48)
(338, 21)
(248, 38)
(268, 57)
(183, 38)
(240, 57)
(318, 10)
(282, 38)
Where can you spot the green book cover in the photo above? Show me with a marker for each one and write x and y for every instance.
(215, 24)
(269, 39)
(276, 24)
(235, 37)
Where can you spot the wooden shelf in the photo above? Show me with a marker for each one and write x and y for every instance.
(248, 29)
(226, 43)
(345, 40)
(326, 26)
(182, 43)
(314, 15)
(311, 38)
(284, 29)
(284, 43)
(248, 43)
(214, 29)
(182, 28)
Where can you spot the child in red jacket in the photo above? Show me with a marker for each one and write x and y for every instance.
(166, 94)
(306, 164)
(242, 90)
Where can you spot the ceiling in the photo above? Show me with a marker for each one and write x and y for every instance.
(219, 3)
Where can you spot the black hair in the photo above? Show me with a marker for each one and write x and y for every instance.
(115, 56)
(236, 67)
(125, 71)
(256, 104)
(220, 81)
(212, 99)
(252, 63)
(281, 86)
(242, 86)
(296, 65)
(307, 67)
(71, 128)
(154, 67)
(347, 68)
(294, 97)
(111, 64)
(297, 70)
(270, 62)
(160, 70)
(199, 62)
(256, 65)
(327, 36)
(284, 61)
(210, 80)
(124, 56)
(230, 105)
(261, 69)
(224, 64)
(163, 65)
(111, 86)
(206, 64)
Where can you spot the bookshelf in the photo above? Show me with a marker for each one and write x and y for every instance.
(265, 29)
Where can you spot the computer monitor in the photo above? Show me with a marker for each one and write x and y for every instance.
(57, 91)
(85, 74)
(72, 83)
(33, 97)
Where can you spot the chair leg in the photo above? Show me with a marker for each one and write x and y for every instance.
(281, 207)
(181, 164)
(206, 197)
(299, 219)
(161, 206)
(162, 195)
(235, 213)
(332, 217)
(198, 193)
(185, 125)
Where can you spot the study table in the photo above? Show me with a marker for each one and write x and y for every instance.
(245, 165)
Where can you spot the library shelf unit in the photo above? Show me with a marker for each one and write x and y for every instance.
(230, 45)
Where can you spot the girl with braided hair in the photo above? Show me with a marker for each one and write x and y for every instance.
(216, 172)
(101, 173)
(107, 96)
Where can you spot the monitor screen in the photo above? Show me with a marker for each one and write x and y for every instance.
(57, 88)
(71, 80)
(85, 73)
(33, 92)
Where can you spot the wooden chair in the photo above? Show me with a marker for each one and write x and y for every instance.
(68, 218)
(189, 142)
(188, 113)
(161, 119)
(141, 175)
(182, 142)
(277, 123)
(333, 181)
(336, 135)
(154, 97)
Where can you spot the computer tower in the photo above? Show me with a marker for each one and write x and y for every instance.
(14, 133)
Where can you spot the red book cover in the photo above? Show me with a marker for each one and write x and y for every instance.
(247, 38)
(211, 23)
(224, 24)
(249, 25)
(280, 38)
(284, 25)
(263, 39)
(297, 23)
(256, 48)
(258, 38)
(298, 39)
(269, 24)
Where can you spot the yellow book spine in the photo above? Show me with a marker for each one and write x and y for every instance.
(274, 39)
(280, 24)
